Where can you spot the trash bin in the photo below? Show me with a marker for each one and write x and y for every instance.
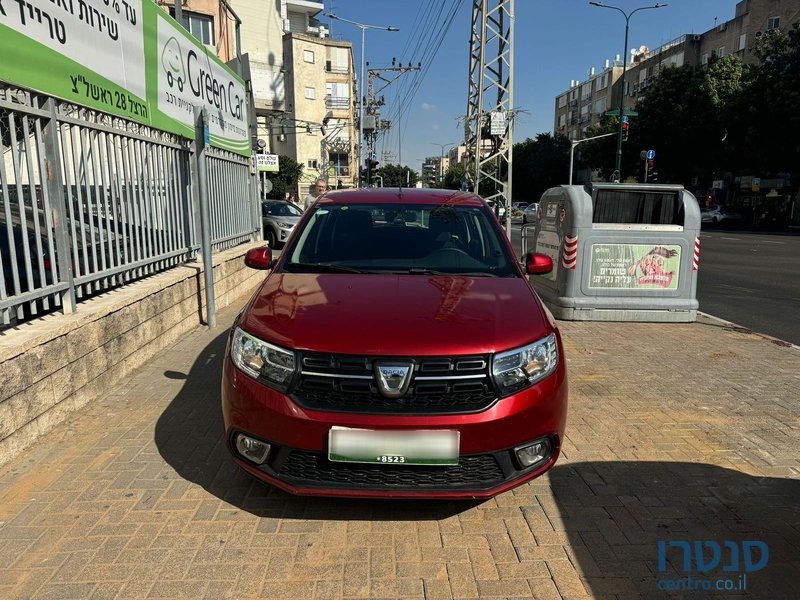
(621, 252)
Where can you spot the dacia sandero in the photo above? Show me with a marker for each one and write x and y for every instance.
(395, 349)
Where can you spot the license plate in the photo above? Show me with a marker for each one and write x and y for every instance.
(411, 447)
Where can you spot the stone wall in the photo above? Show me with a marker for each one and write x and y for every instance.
(57, 364)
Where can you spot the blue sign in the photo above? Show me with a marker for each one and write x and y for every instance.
(625, 118)
(373, 156)
(651, 154)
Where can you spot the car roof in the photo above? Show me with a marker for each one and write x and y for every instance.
(401, 196)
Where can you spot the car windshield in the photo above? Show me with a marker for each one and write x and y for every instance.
(397, 238)
(282, 209)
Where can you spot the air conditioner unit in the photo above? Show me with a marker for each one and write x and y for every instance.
(287, 26)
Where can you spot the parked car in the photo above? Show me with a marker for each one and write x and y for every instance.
(395, 357)
(718, 214)
(499, 211)
(279, 218)
(530, 212)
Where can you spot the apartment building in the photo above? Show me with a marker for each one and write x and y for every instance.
(433, 170)
(580, 107)
(318, 127)
(210, 22)
(584, 104)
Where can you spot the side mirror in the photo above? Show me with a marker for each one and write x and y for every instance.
(259, 258)
(538, 264)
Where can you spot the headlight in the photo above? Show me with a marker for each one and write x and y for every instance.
(262, 360)
(286, 225)
(520, 368)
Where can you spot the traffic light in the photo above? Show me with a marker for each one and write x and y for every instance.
(372, 166)
(625, 127)
(362, 176)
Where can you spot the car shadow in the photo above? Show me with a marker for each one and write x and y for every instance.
(615, 514)
(189, 437)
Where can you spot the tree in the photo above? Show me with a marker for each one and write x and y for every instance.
(397, 176)
(540, 164)
(454, 175)
(286, 178)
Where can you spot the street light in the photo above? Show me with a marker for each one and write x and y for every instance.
(441, 159)
(363, 28)
(618, 172)
(572, 150)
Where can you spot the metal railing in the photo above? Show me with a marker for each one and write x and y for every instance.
(89, 202)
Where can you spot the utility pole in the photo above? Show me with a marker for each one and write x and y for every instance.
(373, 125)
(488, 129)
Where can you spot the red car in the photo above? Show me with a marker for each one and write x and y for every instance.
(396, 349)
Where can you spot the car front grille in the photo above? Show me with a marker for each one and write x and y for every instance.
(439, 385)
(472, 472)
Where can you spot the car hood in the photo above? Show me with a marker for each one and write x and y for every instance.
(292, 220)
(395, 315)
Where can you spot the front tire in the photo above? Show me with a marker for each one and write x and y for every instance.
(271, 238)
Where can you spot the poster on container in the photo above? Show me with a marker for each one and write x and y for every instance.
(635, 266)
(110, 55)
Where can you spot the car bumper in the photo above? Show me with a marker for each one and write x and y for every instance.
(298, 460)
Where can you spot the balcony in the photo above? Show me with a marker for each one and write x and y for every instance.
(337, 102)
(330, 68)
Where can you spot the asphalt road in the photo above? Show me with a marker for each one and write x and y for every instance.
(751, 279)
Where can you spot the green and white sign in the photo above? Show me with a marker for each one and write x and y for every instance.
(123, 57)
(635, 266)
(267, 163)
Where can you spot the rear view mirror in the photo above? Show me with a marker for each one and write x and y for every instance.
(259, 258)
(538, 264)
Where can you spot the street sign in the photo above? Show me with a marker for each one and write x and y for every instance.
(651, 154)
(373, 156)
(615, 113)
(497, 123)
(625, 118)
(267, 162)
(756, 185)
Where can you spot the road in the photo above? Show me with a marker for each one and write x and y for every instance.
(751, 279)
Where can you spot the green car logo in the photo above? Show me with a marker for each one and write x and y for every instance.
(172, 61)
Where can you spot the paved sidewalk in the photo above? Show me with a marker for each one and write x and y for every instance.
(675, 433)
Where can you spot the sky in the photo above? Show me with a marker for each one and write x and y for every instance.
(555, 41)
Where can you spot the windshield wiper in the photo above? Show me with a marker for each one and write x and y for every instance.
(424, 271)
(326, 267)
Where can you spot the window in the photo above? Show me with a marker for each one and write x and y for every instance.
(774, 23)
(339, 164)
(704, 58)
(308, 56)
(337, 96)
(601, 82)
(562, 101)
(562, 120)
(336, 59)
(312, 163)
(311, 93)
(643, 208)
(200, 26)
(586, 91)
(741, 42)
(721, 51)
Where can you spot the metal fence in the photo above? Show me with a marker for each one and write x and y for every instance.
(89, 202)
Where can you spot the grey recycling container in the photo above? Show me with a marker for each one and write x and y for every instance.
(621, 252)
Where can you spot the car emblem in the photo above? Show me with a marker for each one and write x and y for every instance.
(393, 378)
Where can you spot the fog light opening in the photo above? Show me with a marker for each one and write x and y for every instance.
(534, 453)
(252, 449)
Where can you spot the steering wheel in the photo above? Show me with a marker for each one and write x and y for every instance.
(449, 249)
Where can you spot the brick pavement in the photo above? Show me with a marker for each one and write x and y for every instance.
(675, 432)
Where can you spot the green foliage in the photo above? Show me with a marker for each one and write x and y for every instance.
(455, 173)
(286, 178)
(539, 164)
(724, 116)
(396, 176)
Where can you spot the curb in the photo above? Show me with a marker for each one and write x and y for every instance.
(742, 329)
